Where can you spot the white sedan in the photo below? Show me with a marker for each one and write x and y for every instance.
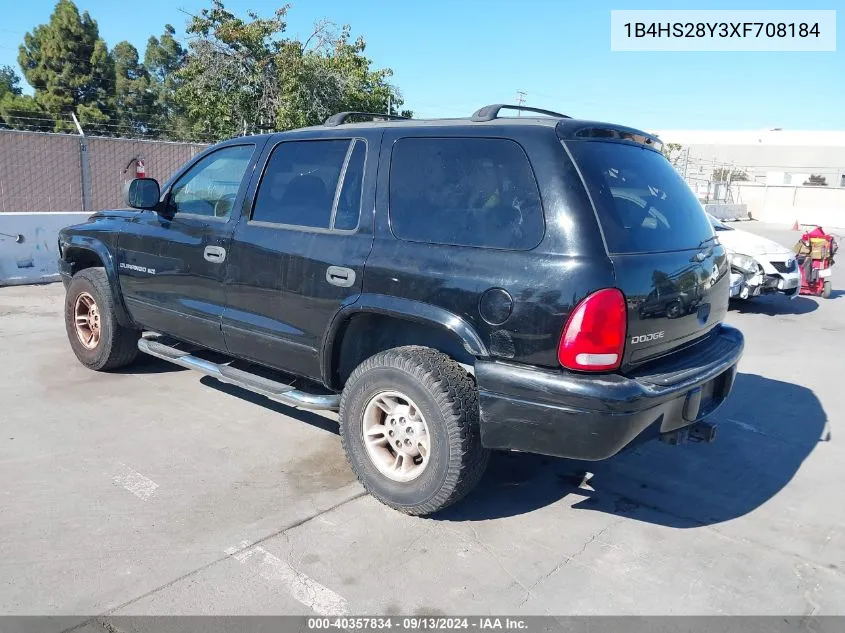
(758, 265)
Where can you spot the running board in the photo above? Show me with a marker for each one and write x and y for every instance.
(278, 391)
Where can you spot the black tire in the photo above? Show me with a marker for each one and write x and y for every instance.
(828, 288)
(448, 400)
(118, 344)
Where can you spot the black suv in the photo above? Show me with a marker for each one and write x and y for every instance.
(450, 286)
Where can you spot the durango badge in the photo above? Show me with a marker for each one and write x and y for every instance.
(647, 337)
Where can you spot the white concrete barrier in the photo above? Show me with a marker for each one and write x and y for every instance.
(727, 211)
(787, 204)
(28, 246)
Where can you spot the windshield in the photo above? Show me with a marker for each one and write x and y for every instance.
(643, 204)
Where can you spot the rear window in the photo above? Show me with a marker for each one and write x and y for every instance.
(464, 191)
(643, 204)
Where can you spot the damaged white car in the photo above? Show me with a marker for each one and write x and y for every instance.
(758, 265)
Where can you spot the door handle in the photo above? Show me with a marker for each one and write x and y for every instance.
(214, 254)
(340, 276)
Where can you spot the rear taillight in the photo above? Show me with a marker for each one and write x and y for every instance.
(594, 336)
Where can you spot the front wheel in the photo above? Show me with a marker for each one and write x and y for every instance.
(828, 288)
(99, 341)
(409, 426)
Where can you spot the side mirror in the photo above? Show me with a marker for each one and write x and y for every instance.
(142, 193)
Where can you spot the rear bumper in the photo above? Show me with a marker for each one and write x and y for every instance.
(593, 417)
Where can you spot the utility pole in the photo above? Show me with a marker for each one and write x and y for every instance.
(520, 99)
(83, 162)
(389, 95)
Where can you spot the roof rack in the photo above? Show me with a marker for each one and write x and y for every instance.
(490, 112)
(340, 117)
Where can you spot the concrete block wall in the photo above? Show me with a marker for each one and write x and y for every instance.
(784, 204)
(34, 258)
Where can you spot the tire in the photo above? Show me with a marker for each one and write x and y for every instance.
(114, 345)
(828, 288)
(447, 401)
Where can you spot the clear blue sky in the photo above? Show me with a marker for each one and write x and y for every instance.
(452, 56)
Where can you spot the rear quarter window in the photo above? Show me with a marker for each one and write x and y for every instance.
(643, 204)
(464, 191)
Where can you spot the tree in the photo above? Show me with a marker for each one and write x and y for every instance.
(238, 75)
(15, 110)
(163, 58)
(22, 112)
(723, 174)
(331, 76)
(229, 79)
(673, 152)
(816, 180)
(244, 74)
(9, 82)
(68, 65)
(134, 101)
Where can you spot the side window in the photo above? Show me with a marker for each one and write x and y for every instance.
(464, 191)
(300, 183)
(349, 200)
(209, 187)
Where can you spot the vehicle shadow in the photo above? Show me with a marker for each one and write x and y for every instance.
(775, 305)
(765, 431)
(146, 364)
(314, 419)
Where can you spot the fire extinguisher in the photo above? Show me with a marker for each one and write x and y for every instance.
(140, 168)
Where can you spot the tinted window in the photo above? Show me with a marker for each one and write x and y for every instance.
(211, 185)
(643, 204)
(466, 191)
(349, 200)
(299, 184)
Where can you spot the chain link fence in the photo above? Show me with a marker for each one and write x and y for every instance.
(62, 172)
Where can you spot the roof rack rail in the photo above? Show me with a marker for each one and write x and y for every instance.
(490, 112)
(340, 117)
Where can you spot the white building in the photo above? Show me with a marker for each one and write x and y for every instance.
(775, 157)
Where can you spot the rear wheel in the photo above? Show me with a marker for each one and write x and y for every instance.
(99, 341)
(409, 426)
(828, 288)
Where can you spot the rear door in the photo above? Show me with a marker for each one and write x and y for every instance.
(669, 266)
(298, 253)
(171, 264)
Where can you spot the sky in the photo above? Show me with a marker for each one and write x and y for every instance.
(451, 57)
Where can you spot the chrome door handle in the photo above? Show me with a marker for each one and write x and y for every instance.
(340, 276)
(214, 254)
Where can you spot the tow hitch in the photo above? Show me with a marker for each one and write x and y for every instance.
(698, 432)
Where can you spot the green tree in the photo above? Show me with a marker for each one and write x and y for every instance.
(816, 180)
(68, 65)
(163, 58)
(229, 79)
(134, 100)
(723, 174)
(9, 82)
(332, 75)
(22, 112)
(673, 152)
(244, 74)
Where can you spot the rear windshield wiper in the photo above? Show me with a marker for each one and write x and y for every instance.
(706, 240)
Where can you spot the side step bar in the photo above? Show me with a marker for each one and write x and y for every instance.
(278, 391)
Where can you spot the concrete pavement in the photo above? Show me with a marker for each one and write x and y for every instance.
(156, 491)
